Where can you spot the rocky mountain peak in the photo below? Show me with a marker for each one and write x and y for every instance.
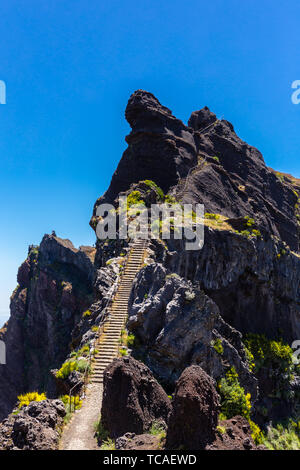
(201, 119)
(142, 103)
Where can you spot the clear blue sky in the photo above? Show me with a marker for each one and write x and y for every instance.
(70, 66)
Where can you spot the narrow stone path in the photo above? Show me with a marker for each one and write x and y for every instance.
(79, 433)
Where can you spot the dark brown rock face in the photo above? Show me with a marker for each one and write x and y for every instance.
(194, 416)
(235, 435)
(34, 427)
(132, 398)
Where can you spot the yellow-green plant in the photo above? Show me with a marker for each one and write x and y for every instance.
(75, 402)
(269, 352)
(154, 186)
(209, 215)
(217, 345)
(71, 365)
(87, 313)
(109, 444)
(256, 433)
(24, 400)
(283, 437)
(234, 400)
(221, 429)
(134, 198)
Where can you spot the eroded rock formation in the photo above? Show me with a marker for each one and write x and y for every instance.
(35, 427)
(195, 409)
(132, 398)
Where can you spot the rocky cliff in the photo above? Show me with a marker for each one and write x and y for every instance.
(54, 288)
(246, 277)
(186, 307)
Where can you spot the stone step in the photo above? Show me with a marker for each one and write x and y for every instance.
(101, 368)
(100, 371)
(105, 357)
(112, 341)
(116, 325)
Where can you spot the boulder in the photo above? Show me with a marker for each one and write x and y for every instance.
(234, 434)
(194, 416)
(35, 427)
(177, 325)
(132, 398)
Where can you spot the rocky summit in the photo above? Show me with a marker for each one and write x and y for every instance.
(204, 359)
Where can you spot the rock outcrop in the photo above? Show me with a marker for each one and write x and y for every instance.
(157, 140)
(55, 287)
(187, 308)
(35, 427)
(132, 398)
(234, 434)
(195, 408)
(208, 163)
(178, 325)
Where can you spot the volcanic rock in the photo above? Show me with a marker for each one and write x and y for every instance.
(195, 407)
(132, 398)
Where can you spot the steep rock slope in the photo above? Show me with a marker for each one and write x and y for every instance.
(207, 162)
(246, 277)
(54, 288)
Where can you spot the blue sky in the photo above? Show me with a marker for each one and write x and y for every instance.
(70, 67)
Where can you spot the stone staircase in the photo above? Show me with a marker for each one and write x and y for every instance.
(108, 342)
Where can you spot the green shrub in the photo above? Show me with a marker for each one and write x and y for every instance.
(221, 429)
(154, 186)
(250, 359)
(157, 430)
(134, 198)
(130, 340)
(101, 433)
(109, 444)
(69, 366)
(217, 345)
(70, 406)
(234, 401)
(249, 221)
(283, 437)
(75, 402)
(123, 352)
(256, 233)
(208, 215)
(256, 433)
(170, 199)
(269, 353)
